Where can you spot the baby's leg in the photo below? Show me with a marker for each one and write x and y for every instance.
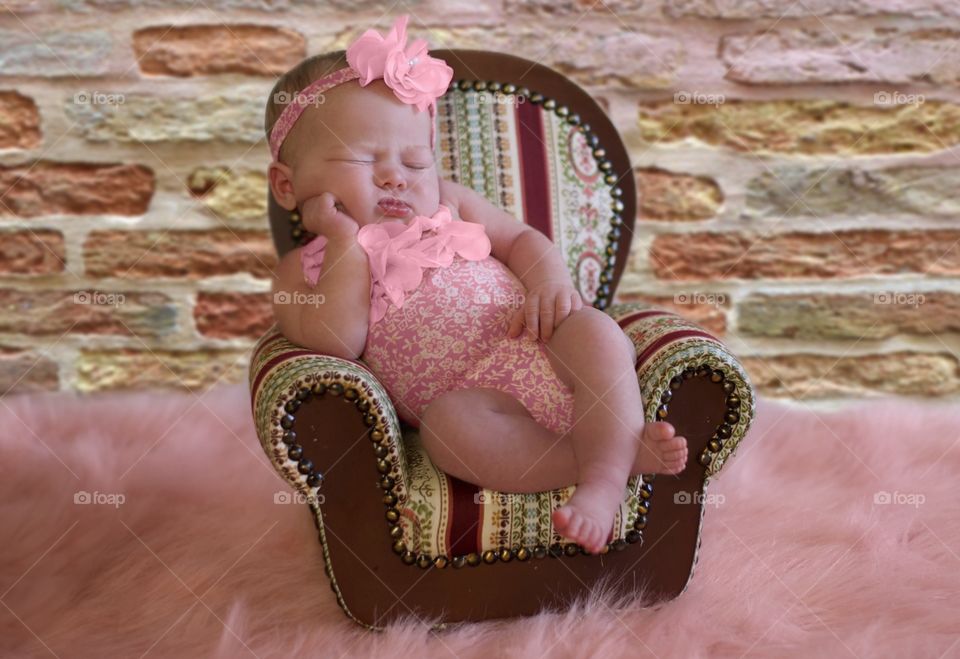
(487, 437)
(593, 356)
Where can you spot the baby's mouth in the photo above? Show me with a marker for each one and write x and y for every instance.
(393, 207)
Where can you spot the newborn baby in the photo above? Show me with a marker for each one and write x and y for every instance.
(530, 395)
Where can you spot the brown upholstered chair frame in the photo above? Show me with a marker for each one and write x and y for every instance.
(375, 584)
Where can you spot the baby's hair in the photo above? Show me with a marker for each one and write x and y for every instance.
(311, 69)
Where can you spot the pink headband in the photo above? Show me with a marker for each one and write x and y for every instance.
(414, 76)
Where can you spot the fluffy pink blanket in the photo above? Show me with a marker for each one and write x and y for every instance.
(146, 524)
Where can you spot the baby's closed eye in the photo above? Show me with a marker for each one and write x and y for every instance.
(411, 165)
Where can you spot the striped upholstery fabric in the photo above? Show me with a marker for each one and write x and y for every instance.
(536, 166)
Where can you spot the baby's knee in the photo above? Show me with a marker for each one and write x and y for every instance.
(435, 419)
(591, 322)
(592, 327)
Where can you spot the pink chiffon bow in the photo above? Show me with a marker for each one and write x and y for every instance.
(414, 76)
(398, 253)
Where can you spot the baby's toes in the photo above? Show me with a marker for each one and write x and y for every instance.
(575, 529)
(591, 536)
(658, 431)
(672, 444)
(675, 460)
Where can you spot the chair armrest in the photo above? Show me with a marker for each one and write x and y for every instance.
(285, 378)
(671, 349)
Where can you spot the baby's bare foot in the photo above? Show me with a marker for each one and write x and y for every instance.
(661, 450)
(587, 518)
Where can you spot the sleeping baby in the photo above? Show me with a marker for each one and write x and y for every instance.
(466, 315)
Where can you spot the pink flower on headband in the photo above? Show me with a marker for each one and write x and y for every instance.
(414, 76)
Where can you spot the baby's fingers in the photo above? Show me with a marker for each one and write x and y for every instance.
(319, 207)
(516, 323)
(577, 301)
(563, 307)
(531, 313)
(547, 322)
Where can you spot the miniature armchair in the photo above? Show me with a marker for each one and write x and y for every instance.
(400, 537)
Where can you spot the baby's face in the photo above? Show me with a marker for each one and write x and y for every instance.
(369, 150)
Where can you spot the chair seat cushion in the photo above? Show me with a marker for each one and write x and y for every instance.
(445, 516)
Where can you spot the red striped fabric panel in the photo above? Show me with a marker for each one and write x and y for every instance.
(263, 346)
(463, 529)
(533, 167)
(637, 315)
(654, 347)
(273, 362)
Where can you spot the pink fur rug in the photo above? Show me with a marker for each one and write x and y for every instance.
(801, 552)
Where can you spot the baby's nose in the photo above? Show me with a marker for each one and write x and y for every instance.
(391, 176)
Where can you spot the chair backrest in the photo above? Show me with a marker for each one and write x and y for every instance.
(537, 145)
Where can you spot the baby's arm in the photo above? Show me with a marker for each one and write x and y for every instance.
(332, 316)
(529, 254)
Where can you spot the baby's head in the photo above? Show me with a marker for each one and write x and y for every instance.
(364, 144)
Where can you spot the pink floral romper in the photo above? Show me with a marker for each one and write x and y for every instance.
(439, 311)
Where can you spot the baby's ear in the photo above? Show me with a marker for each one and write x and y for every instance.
(280, 177)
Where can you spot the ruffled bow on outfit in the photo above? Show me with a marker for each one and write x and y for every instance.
(398, 252)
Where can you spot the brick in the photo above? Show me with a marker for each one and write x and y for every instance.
(193, 50)
(235, 116)
(711, 317)
(55, 53)
(195, 370)
(577, 8)
(803, 127)
(780, 9)
(40, 252)
(821, 54)
(849, 253)
(328, 7)
(86, 311)
(823, 192)
(20, 7)
(75, 188)
(227, 315)
(230, 194)
(178, 253)
(644, 59)
(19, 121)
(805, 376)
(667, 196)
(24, 371)
(872, 316)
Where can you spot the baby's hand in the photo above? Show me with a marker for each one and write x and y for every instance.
(322, 214)
(546, 306)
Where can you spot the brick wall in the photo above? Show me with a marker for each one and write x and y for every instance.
(797, 166)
